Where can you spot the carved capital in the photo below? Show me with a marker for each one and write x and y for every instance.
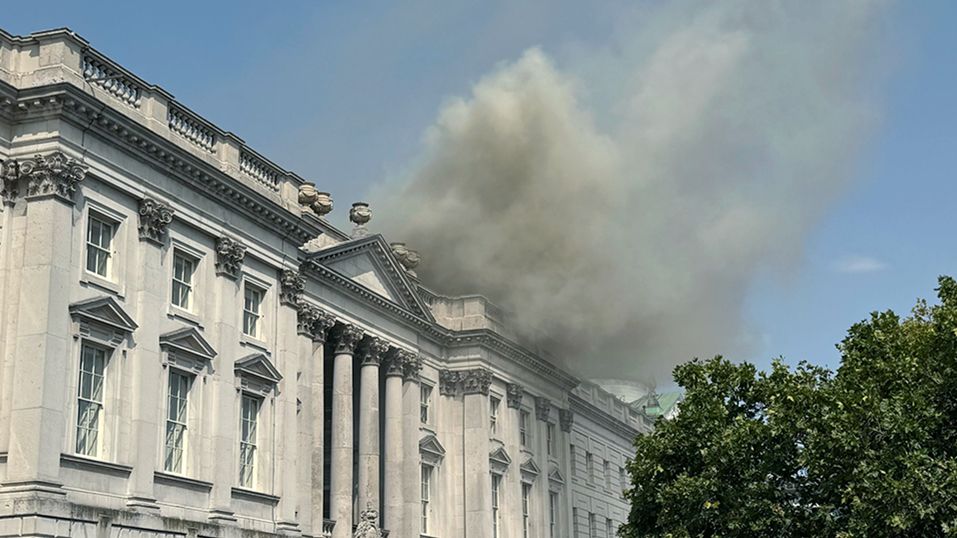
(476, 381)
(449, 382)
(229, 257)
(10, 175)
(155, 218)
(371, 349)
(313, 321)
(565, 419)
(514, 393)
(411, 367)
(291, 286)
(346, 338)
(394, 362)
(543, 408)
(51, 174)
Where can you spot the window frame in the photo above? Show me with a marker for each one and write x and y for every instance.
(189, 379)
(552, 513)
(550, 444)
(496, 502)
(188, 257)
(524, 432)
(258, 315)
(251, 477)
(97, 448)
(493, 407)
(426, 473)
(425, 403)
(526, 508)
(592, 525)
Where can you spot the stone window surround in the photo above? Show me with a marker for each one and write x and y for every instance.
(196, 369)
(266, 311)
(265, 391)
(110, 212)
(180, 245)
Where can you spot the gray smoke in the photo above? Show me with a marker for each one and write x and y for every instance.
(620, 205)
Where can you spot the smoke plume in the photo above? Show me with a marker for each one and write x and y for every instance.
(619, 205)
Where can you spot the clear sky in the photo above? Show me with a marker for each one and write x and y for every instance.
(342, 93)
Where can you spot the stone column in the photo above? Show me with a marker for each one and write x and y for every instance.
(392, 441)
(371, 350)
(410, 446)
(313, 325)
(149, 301)
(291, 286)
(565, 421)
(476, 474)
(340, 483)
(42, 376)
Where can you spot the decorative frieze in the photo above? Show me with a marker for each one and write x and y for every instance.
(449, 381)
(371, 349)
(52, 174)
(229, 257)
(411, 367)
(313, 322)
(514, 393)
(476, 381)
(543, 408)
(155, 218)
(291, 286)
(565, 419)
(346, 337)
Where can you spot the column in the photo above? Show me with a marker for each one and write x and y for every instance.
(478, 482)
(371, 350)
(392, 441)
(313, 326)
(149, 300)
(340, 483)
(41, 372)
(410, 446)
(291, 467)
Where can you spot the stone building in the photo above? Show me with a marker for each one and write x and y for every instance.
(188, 348)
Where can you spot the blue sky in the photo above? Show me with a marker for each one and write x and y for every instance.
(343, 92)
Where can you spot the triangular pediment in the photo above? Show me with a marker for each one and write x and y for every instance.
(530, 467)
(259, 365)
(556, 476)
(369, 263)
(430, 445)
(105, 311)
(499, 455)
(188, 340)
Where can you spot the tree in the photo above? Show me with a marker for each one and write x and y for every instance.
(868, 451)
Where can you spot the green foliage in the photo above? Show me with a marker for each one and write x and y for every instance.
(870, 451)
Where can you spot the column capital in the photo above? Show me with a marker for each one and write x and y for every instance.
(411, 367)
(543, 408)
(449, 381)
(395, 361)
(53, 174)
(476, 381)
(229, 257)
(370, 350)
(313, 321)
(346, 337)
(291, 286)
(514, 393)
(155, 218)
(565, 419)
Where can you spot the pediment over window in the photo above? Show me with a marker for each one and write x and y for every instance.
(259, 367)
(431, 451)
(530, 470)
(555, 478)
(189, 342)
(499, 460)
(104, 311)
(368, 264)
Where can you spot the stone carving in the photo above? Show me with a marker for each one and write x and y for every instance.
(229, 257)
(476, 381)
(313, 321)
(360, 215)
(368, 526)
(449, 381)
(347, 336)
(371, 349)
(408, 258)
(514, 393)
(411, 366)
(543, 408)
(565, 419)
(155, 218)
(54, 173)
(10, 174)
(318, 201)
(394, 362)
(291, 286)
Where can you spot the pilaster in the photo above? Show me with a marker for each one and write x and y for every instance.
(290, 359)
(476, 472)
(393, 456)
(410, 446)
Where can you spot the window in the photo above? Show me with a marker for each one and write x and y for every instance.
(592, 526)
(493, 415)
(590, 466)
(571, 460)
(550, 438)
(610, 528)
(425, 394)
(523, 432)
(607, 471)
(90, 399)
(182, 289)
(247, 441)
(252, 307)
(552, 514)
(176, 421)
(575, 522)
(622, 479)
(426, 494)
(526, 493)
(496, 482)
(99, 245)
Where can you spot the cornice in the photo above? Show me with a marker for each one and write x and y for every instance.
(588, 410)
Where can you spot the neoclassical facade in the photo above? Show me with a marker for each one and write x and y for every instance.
(188, 348)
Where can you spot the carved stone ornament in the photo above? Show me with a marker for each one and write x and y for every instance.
(360, 215)
(54, 173)
(449, 382)
(155, 218)
(368, 526)
(411, 367)
(346, 337)
(514, 393)
(565, 419)
(313, 322)
(394, 362)
(291, 286)
(318, 201)
(411, 262)
(543, 408)
(476, 381)
(229, 256)
(371, 349)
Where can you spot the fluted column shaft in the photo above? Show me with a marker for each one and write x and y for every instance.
(393, 453)
(370, 353)
(340, 483)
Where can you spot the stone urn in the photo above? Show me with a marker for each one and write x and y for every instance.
(360, 215)
(411, 262)
(400, 251)
(323, 203)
